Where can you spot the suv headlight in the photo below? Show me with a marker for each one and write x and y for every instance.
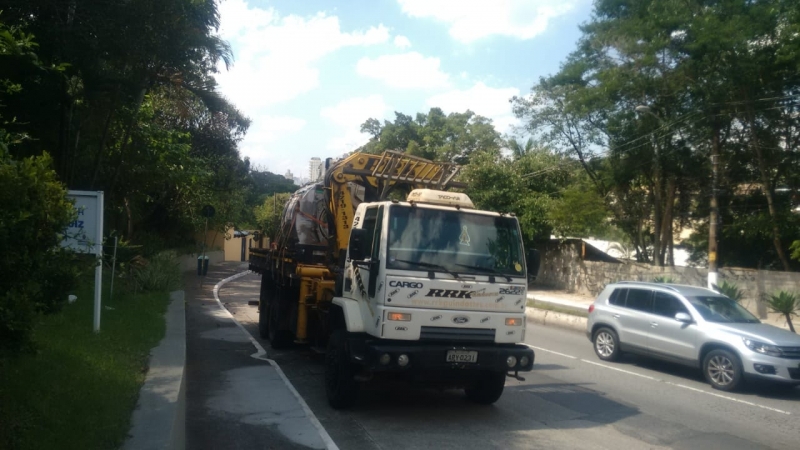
(760, 347)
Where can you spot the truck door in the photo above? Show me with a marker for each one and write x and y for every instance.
(374, 267)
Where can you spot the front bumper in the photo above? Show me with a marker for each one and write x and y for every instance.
(428, 356)
(771, 368)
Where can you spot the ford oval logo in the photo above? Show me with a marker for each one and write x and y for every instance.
(460, 320)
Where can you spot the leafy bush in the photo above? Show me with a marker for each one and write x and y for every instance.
(161, 272)
(730, 290)
(784, 303)
(36, 275)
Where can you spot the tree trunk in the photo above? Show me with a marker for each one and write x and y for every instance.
(789, 321)
(766, 186)
(666, 222)
(126, 136)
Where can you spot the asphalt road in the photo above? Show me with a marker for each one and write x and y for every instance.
(570, 400)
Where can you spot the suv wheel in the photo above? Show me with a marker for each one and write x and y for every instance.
(723, 370)
(606, 344)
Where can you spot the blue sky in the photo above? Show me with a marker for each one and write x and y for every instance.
(309, 73)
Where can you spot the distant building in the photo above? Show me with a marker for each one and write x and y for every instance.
(289, 175)
(315, 169)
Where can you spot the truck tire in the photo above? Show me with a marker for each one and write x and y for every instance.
(278, 339)
(263, 320)
(488, 389)
(263, 309)
(341, 387)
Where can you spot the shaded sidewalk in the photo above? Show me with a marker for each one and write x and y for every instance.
(235, 397)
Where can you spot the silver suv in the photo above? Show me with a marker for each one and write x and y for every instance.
(693, 326)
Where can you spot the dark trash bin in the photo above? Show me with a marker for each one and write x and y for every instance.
(202, 265)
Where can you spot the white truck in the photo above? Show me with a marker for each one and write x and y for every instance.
(428, 288)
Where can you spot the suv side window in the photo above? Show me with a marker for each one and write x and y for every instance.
(617, 297)
(668, 305)
(640, 300)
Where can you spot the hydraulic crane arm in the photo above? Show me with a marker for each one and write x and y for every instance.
(366, 177)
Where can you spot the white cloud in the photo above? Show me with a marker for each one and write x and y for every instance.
(275, 55)
(480, 99)
(269, 130)
(349, 115)
(407, 70)
(276, 60)
(470, 20)
(402, 42)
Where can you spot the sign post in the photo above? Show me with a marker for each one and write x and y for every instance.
(85, 234)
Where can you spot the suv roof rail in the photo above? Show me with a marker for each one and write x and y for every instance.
(650, 283)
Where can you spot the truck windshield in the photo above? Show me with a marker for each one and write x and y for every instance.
(458, 241)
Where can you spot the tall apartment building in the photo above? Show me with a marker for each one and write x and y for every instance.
(315, 169)
(289, 175)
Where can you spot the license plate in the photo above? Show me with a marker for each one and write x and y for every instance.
(462, 356)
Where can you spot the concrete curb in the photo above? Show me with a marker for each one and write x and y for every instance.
(159, 420)
(562, 320)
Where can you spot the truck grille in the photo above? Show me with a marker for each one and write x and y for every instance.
(457, 334)
(790, 352)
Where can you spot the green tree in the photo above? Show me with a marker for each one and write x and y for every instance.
(135, 113)
(519, 149)
(715, 78)
(268, 214)
(785, 303)
(454, 137)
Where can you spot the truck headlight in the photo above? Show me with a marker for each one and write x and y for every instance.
(402, 317)
(760, 347)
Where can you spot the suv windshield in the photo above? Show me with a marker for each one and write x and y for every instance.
(458, 241)
(720, 309)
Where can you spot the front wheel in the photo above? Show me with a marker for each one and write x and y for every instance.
(606, 344)
(723, 370)
(488, 389)
(341, 386)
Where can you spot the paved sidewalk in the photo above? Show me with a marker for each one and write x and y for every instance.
(235, 396)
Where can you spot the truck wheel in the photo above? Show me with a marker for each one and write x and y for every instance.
(278, 339)
(488, 389)
(263, 308)
(263, 320)
(340, 384)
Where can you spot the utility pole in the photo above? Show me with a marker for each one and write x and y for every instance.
(713, 219)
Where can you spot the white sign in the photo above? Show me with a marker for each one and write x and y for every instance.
(85, 233)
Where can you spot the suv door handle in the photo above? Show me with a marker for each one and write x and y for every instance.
(654, 324)
(616, 316)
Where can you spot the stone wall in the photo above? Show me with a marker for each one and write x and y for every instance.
(563, 267)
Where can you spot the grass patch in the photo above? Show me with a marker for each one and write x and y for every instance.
(77, 389)
(555, 308)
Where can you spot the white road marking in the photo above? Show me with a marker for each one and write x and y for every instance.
(728, 398)
(620, 370)
(701, 391)
(550, 351)
(261, 354)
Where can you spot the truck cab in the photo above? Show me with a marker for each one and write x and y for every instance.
(433, 290)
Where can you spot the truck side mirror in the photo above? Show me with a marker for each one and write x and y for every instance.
(358, 240)
(533, 261)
